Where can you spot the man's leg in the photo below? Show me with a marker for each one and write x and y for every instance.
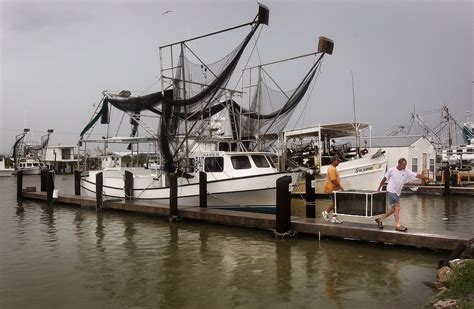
(387, 214)
(329, 208)
(396, 214)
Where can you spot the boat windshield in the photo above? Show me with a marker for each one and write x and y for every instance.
(260, 161)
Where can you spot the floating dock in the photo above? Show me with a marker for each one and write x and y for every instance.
(421, 238)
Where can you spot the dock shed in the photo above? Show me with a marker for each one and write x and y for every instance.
(416, 149)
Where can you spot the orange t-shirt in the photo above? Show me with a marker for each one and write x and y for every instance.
(332, 174)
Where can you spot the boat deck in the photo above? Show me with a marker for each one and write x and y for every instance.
(422, 238)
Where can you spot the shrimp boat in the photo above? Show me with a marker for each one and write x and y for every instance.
(27, 156)
(237, 157)
(314, 147)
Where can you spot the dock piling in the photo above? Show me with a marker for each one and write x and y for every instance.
(446, 177)
(19, 186)
(283, 205)
(128, 185)
(44, 175)
(99, 188)
(202, 189)
(49, 186)
(310, 197)
(173, 196)
(77, 182)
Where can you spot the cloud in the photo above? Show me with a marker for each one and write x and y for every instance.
(31, 16)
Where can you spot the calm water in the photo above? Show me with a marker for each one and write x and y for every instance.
(69, 257)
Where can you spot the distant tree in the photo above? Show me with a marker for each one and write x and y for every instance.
(126, 160)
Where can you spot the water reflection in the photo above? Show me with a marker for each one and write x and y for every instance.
(48, 219)
(283, 269)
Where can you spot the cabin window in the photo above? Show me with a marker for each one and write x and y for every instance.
(270, 159)
(470, 149)
(432, 165)
(414, 165)
(190, 167)
(260, 161)
(214, 164)
(459, 151)
(28, 164)
(240, 162)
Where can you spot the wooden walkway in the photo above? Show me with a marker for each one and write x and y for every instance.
(421, 238)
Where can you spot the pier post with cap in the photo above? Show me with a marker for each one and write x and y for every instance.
(77, 182)
(49, 186)
(202, 189)
(310, 197)
(447, 178)
(19, 186)
(43, 175)
(128, 185)
(99, 188)
(283, 204)
(173, 195)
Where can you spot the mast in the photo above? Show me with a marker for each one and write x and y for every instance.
(356, 126)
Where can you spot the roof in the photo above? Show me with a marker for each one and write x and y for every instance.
(333, 130)
(392, 141)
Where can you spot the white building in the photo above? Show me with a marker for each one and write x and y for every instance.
(61, 158)
(416, 149)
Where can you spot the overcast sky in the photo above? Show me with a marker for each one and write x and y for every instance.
(57, 56)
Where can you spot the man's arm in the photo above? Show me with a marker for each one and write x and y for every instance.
(382, 182)
(423, 177)
(337, 184)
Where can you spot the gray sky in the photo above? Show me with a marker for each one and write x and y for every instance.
(57, 56)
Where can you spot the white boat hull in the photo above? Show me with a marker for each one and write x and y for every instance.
(360, 174)
(6, 172)
(249, 191)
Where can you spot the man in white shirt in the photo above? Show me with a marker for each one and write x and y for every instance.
(397, 177)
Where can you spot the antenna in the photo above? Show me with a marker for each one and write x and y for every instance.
(356, 126)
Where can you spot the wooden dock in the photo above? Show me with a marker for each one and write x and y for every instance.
(421, 238)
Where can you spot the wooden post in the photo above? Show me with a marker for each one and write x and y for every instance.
(99, 188)
(310, 197)
(19, 186)
(44, 175)
(202, 189)
(447, 178)
(77, 182)
(173, 195)
(128, 185)
(283, 204)
(49, 186)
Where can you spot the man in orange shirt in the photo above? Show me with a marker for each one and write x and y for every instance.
(332, 184)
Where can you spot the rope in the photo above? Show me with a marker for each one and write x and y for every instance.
(289, 234)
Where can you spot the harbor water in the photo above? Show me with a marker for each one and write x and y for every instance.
(70, 257)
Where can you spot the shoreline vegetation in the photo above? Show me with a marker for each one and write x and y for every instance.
(457, 290)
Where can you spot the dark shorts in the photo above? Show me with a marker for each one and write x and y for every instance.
(393, 198)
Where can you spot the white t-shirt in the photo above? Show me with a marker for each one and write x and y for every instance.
(397, 178)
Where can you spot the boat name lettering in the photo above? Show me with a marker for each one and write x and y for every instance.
(363, 169)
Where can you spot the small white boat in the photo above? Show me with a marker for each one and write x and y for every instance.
(5, 172)
(30, 166)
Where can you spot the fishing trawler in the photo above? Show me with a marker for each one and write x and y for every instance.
(240, 168)
(27, 156)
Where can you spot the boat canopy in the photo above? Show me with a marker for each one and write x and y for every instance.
(334, 130)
